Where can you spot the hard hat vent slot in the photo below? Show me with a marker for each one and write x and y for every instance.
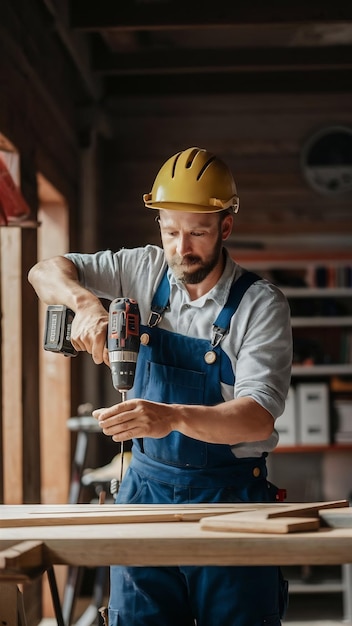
(191, 157)
(205, 167)
(174, 165)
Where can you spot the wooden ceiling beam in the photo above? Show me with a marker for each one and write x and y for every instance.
(174, 14)
(183, 61)
(258, 229)
(281, 82)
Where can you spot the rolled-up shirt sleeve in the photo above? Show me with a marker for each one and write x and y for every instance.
(264, 351)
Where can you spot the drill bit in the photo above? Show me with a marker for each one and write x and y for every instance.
(124, 397)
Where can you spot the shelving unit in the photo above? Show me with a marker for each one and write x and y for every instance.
(322, 326)
(313, 449)
(322, 370)
(318, 285)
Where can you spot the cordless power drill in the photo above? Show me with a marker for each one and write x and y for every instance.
(123, 346)
(122, 342)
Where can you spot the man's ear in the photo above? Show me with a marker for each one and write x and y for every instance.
(226, 226)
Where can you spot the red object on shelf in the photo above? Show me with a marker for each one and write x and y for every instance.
(13, 207)
(281, 495)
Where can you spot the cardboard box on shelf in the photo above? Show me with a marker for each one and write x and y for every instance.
(313, 413)
(343, 410)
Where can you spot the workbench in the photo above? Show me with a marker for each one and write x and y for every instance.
(36, 548)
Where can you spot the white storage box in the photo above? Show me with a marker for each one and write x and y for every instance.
(343, 410)
(313, 413)
(286, 424)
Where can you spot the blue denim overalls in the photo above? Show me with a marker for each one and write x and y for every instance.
(178, 469)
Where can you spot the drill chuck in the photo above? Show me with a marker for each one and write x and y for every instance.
(123, 368)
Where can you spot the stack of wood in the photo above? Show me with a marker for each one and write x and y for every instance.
(247, 518)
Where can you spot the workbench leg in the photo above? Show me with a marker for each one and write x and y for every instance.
(347, 592)
(11, 605)
(73, 583)
(78, 466)
(55, 596)
(74, 574)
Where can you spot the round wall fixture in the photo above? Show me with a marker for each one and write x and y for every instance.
(327, 160)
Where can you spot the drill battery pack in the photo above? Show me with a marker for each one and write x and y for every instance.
(57, 334)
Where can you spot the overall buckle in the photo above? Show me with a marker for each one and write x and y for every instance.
(217, 335)
(154, 319)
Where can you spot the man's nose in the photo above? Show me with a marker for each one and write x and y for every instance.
(183, 244)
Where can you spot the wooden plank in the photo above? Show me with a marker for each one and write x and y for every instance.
(81, 514)
(47, 508)
(267, 520)
(19, 383)
(54, 374)
(27, 554)
(9, 604)
(301, 509)
(10, 264)
(253, 516)
(54, 370)
(27, 509)
(254, 524)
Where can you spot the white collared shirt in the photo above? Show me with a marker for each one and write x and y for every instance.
(259, 342)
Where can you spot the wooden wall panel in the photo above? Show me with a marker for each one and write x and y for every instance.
(39, 91)
(20, 421)
(259, 136)
(30, 372)
(38, 95)
(12, 422)
(55, 406)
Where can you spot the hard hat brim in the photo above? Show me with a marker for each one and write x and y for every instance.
(215, 205)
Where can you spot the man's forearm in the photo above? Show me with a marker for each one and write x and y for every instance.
(235, 421)
(232, 422)
(56, 281)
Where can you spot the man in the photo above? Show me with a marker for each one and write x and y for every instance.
(212, 376)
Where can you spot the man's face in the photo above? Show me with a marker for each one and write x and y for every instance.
(192, 243)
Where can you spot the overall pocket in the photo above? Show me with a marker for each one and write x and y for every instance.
(173, 384)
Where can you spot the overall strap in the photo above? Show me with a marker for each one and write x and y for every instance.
(160, 301)
(221, 325)
(237, 291)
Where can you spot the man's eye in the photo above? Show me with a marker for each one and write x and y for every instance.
(197, 234)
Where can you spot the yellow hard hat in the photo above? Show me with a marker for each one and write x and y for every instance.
(195, 181)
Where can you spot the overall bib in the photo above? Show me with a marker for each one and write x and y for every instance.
(173, 368)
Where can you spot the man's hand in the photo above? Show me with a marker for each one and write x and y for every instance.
(89, 330)
(135, 418)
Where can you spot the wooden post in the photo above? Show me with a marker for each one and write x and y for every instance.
(11, 281)
(11, 606)
(19, 355)
(55, 391)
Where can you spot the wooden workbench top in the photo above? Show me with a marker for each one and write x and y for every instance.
(185, 543)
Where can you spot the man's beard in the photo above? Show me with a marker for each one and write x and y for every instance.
(204, 268)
